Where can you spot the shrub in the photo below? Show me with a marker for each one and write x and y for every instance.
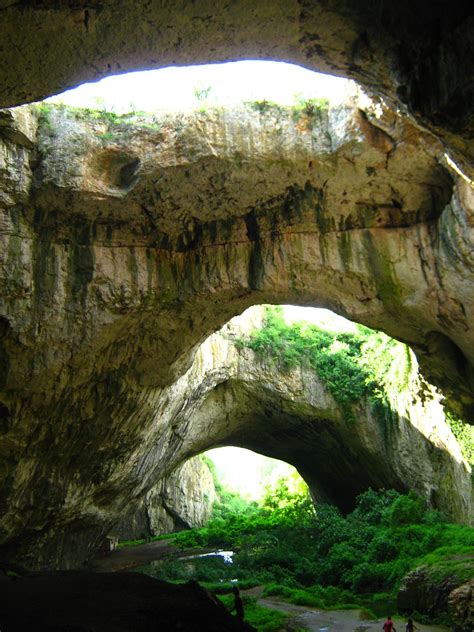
(406, 510)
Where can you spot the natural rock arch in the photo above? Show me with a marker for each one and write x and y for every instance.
(235, 397)
(231, 396)
(417, 55)
(107, 293)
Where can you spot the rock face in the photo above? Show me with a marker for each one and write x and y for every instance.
(419, 592)
(438, 596)
(418, 57)
(182, 500)
(461, 607)
(123, 245)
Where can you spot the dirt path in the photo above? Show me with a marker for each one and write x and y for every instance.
(337, 620)
(134, 556)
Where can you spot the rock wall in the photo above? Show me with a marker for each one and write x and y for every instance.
(418, 56)
(182, 500)
(123, 245)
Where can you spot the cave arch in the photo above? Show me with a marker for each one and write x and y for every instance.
(244, 400)
(92, 384)
(234, 397)
(416, 58)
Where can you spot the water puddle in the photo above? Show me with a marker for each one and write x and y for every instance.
(227, 556)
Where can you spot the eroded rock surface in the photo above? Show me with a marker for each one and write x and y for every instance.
(417, 56)
(124, 245)
(182, 500)
(461, 607)
(431, 592)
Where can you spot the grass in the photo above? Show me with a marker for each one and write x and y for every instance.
(262, 618)
(324, 598)
(452, 560)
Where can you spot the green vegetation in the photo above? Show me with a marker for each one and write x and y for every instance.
(315, 556)
(115, 124)
(264, 619)
(305, 111)
(263, 106)
(352, 365)
(464, 434)
(309, 111)
(201, 94)
(319, 558)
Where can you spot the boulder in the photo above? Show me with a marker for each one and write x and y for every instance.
(432, 594)
(461, 607)
(131, 602)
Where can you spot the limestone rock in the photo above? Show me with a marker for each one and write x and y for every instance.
(182, 500)
(417, 58)
(424, 592)
(17, 139)
(124, 244)
(461, 607)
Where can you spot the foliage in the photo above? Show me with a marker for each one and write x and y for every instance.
(320, 558)
(352, 365)
(113, 122)
(464, 434)
(263, 106)
(309, 111)
(201, 94)
(264, 619)
(406, 510)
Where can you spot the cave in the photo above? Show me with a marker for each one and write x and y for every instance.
(112, 274)
(233, 396)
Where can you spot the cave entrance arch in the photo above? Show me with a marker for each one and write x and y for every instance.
(413, 57)
(99, 375)
(235, 397)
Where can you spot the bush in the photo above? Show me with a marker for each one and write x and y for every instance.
(325, 560)
(406, 510)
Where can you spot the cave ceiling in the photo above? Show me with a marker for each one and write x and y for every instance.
(121, 250)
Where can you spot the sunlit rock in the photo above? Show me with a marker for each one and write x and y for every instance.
(182, 500)
(124, 243)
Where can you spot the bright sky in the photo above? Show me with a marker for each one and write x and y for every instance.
(322, 317)
(174, 88)
(248, 472)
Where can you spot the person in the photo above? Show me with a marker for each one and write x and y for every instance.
(238, 604)
(388, 625)
(410, 627)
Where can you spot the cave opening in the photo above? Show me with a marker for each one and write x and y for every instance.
(333, 398)
(299, 539)
(107, 300)
(206, 86)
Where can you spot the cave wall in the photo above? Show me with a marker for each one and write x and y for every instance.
(417, 55)
(119, 256)
(182, 500)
